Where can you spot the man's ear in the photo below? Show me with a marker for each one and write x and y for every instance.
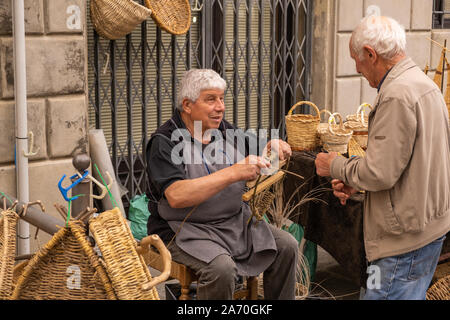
(370, 53)
(187, 105)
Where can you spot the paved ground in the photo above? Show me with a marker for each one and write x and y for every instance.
(331, 281)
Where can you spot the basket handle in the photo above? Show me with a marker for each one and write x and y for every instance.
(326, 111)
(144, 247)
(360, 113)
(333, 118)
(309, 103)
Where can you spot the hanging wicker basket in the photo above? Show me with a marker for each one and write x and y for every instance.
(126, 268)
(8, 232)
(301, 129)
(337, 137)
(358, 123)
(114, 19)
(66, 268)
(173, 16)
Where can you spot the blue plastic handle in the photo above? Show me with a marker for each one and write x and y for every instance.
(65, 190)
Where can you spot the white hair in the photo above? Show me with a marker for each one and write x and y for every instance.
(195, 81)
(385, 35)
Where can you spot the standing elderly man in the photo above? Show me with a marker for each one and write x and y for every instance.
(406, 170)
(196, 185)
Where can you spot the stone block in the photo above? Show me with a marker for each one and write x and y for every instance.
(345, 65)
(347, 95)
(400, 10)
(350, 13)
(67, 126)
(368, 94)
(54, 66)
(421, 15)
(418, 47)
(439, 36)
(33, 12)
(36, 124)
(64, 16)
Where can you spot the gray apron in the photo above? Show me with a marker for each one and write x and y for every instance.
(219, 225)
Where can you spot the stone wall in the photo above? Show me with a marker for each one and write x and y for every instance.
(346, 89)
(57, 105)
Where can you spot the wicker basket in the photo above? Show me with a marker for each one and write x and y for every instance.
(52, 273)
(302, 128)
(8, 231)
(358, 123)
(173, 16)
(440, 290)
(126, 268)
(354, 149)
(114, 19)
(323, 126)
(337, 137)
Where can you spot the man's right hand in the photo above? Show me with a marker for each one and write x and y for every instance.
(342, 191)
(249, 168)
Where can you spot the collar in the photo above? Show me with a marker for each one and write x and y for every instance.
(382, 80)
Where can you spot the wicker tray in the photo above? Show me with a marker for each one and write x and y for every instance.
(8, 231)
(115, 19)
(173, 16)
(301, 129)
(52, 273)
(126, 268)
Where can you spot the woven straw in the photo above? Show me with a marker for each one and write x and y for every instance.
(322, 127)
(302, 128)
(49, 273)
(336, 138)
(354, 149)
(115, 19)
(125, 267)
(440, 290)
(358, 123)
(8, 230)
(173, 16)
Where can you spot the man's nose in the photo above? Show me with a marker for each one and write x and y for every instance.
(220, 104)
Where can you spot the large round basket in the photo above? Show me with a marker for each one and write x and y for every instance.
(440, 290)
(358, 123)
(173, 16)
(337, 137)
(8, 234)
(115, 19)
(66, 268)
(126, 268)
(301, 129)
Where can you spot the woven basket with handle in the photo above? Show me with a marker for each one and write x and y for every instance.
(66, 268)
(126, 268)
(336, 138)
(323, 126)
(114, 19)
(358, 123)
(173, 16)
(301, 129)
(8, 232)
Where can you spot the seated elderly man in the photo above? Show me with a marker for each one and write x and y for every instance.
(196, 185)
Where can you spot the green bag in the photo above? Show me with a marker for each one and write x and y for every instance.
(138, 216)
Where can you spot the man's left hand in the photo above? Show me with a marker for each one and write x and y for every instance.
(323, 163)
(281, 147)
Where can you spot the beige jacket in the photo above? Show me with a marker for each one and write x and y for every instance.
(406, 170)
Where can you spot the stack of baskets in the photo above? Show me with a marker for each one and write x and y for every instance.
(301, 129)
(358, 123)
(8, 232)
(337, 137)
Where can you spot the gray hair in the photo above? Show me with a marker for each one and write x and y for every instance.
(195, 81)
(385, 35)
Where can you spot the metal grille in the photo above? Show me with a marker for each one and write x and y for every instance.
(441, 14)
(262, 48)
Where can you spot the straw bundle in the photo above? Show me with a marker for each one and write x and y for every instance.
(115, 19)
(336, 138)
(66, 268)
(302, 128)
(440, 290)
(8, 230)
(125, 267)
(173, 16)
(358, 123)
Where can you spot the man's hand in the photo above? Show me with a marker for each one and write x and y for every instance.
(342, 191)
(249, 168)
(323, 163)
(282, 148)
